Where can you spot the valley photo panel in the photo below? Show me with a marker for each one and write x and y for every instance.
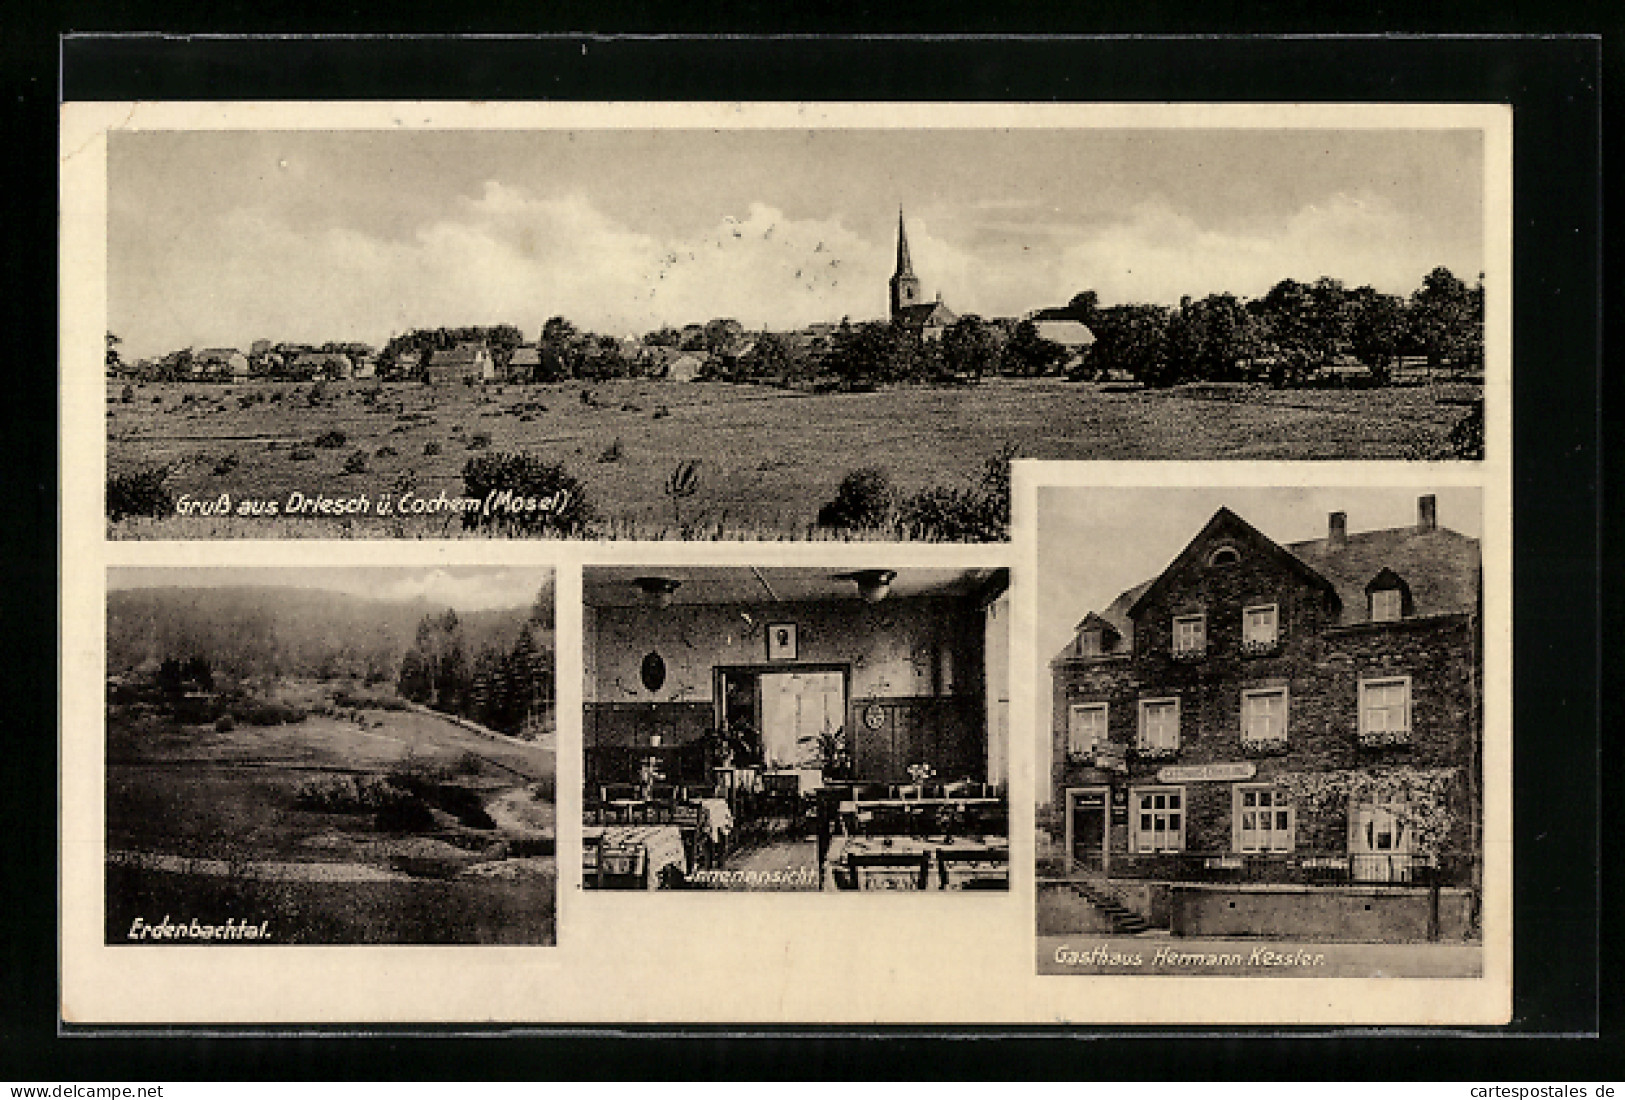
(330, 756)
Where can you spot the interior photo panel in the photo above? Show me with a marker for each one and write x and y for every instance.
(795, 729)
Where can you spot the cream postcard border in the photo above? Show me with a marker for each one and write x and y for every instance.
(746, 958)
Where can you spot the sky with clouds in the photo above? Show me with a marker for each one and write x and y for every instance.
(465, 588)
(222, 237)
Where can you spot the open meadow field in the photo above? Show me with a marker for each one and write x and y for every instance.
(354, 825)
(768, 458)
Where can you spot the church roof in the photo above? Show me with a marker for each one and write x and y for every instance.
(905, 266)
(927, 313)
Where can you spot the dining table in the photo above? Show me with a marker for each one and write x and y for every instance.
(660, 845)
(984, 852)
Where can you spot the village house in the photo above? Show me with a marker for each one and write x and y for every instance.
(464, 362)
(1074, 336)
(1261, 722)
(524, 363)
(225, 364)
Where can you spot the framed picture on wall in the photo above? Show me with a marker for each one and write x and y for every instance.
(781, 642)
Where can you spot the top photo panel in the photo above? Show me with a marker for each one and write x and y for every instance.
(818, 332)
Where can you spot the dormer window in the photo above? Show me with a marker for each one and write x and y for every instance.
(1190, 635)
(1089, 643)
(1388, 597)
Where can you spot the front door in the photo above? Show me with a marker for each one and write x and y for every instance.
(1086, 828)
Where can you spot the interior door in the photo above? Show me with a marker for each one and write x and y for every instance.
(797, 709)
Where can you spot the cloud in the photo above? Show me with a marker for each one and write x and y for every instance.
(510, 255)
(477, 591)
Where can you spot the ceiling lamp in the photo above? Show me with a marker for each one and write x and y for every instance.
(873, 584)
(656, 591)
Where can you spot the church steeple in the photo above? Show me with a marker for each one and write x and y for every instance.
(905, 288)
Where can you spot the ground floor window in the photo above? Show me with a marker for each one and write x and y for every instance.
(1263, 820)
(1382, 842)
(1158, 819)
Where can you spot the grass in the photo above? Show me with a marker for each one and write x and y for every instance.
(769, 458)
(423, 911)
(201, 796)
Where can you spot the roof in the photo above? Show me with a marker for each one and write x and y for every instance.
(461, 354)
(1071, 334)
(216, 353)
(1439, 566)
(525, 355)
(928, 313)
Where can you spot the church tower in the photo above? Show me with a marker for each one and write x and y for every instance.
(905, 288)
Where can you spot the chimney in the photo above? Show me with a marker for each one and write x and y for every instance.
(1337, 530)
(1427, 513)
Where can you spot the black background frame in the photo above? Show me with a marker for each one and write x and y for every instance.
(1553, 85)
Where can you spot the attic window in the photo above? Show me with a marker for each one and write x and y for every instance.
(1089, 643)
(1388, 598)
(1224, 555)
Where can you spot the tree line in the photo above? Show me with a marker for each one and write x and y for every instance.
(502, 687)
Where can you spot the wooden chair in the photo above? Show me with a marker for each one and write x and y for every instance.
(890, 870)
(969, 869)
(623, 801)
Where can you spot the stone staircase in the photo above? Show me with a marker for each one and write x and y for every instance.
(1124, 920)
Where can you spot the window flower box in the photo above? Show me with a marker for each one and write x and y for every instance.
(1194, 653)
(1260, 647)
(1264, 746)
(1156, 752)
(1384, 739)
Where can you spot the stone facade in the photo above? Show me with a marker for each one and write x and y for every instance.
(1309, 679)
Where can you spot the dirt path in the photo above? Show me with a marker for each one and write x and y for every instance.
(263, 870)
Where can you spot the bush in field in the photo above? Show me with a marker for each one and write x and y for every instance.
(226, 463)
(386, 451)
(356, 463)
(1467, 437)
(302, 453)
(431, 448)
(560, 500)
(127, 395)
(980, 513)
(479, 441)
(225, 723)
(263, 712)
(613, 452)
(864, 501)
(140, 492)
(346, 794)
(332, 440)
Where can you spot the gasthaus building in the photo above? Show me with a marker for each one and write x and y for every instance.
(1274, 739)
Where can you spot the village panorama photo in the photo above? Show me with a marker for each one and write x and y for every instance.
(330, 756)
(1265, 732)
(763, 333)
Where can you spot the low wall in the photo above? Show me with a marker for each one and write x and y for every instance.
(1376, 914)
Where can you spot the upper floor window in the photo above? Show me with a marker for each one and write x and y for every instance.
(1089, 643)
(1264, 718)
(1260, 626)
(1385, 711)
(1159, 727)
(1085, 728)
(1190, 635)
(1386, 605)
